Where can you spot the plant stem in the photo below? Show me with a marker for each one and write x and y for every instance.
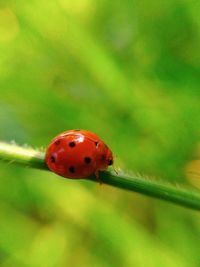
(22, 155)
(157, 189)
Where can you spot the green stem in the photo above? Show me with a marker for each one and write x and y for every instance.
(22, 155)
(157, 189)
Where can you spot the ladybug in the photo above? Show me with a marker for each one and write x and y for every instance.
(77, 154)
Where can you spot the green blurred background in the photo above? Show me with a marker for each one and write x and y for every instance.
(130, 72)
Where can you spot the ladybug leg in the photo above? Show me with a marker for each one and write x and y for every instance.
(97, 177)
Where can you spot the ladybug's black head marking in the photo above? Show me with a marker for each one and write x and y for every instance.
(72, 144)
(87, 160)
(110, 162)
(72, 169)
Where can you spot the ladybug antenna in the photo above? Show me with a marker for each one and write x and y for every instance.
(115, 170)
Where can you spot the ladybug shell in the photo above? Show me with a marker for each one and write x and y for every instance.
(78, 154)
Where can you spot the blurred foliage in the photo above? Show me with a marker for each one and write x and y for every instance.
(130, 72)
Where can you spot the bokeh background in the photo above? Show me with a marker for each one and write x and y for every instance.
(130, 72)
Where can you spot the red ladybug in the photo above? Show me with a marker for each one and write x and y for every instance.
(78, 154)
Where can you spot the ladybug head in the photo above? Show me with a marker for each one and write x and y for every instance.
(110, 162)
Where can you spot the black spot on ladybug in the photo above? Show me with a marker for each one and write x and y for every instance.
(110, 162)
(52, 158)
(72, 144)
(57, 142)
(87, 160)
(103, 157)
(72, 169)
(96, 143)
